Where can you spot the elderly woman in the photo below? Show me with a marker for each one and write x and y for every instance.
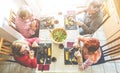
(25, 23)
(91, 51)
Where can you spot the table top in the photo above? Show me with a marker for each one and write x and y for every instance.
(59, 65)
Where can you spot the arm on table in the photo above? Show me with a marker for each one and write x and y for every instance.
(86, 64)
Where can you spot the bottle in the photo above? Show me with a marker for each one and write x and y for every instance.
(67, 56)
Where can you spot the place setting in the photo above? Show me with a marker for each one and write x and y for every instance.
(44, 53)
(69, 23)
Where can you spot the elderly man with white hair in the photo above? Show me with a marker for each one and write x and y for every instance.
(91, 20)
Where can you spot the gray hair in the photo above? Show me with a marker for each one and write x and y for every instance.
(95, 2)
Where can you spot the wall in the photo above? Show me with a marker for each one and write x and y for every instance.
(112, 25)
(117, 4)
(5, 31)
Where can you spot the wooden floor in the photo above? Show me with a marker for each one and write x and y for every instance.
(111, 67)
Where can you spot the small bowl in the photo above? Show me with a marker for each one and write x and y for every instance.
(53, 59)
(58, 35)
(61, 46)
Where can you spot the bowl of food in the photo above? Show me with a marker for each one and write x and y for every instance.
(58, 35)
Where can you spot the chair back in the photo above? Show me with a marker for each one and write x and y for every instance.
(112, 51)
(11, 20)
(5, 49)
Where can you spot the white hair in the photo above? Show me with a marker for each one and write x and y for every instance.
(95, 1)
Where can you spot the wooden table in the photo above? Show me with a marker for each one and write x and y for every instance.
(59, 65)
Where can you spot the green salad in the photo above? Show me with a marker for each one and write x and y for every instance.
(59, 35)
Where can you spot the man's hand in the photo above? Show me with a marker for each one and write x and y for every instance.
(79, 23)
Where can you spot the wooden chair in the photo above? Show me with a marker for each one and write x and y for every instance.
(11, 20)
(110, 51)
(113, 50)
(5, 48)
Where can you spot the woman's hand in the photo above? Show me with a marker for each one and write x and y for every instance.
(77, 54)
(76, 45)
(31, 54)
(79, 23)
(35, 44)
(33, 25)
(79, 57)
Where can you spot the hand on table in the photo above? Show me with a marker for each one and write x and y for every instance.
(31, 54)
(33, 25)
(76, 45)
(79, 57)
(77, 54)
(35, 44)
